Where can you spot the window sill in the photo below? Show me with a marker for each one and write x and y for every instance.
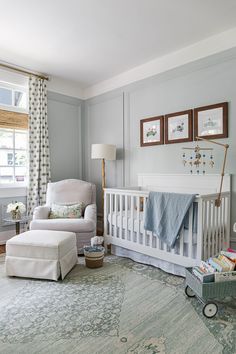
(9, 191)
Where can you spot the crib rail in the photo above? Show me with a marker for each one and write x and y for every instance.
(124, 219)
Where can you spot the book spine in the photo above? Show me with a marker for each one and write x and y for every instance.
(230, 255)
(215, 265)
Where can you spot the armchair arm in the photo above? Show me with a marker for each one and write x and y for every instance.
(90, 213)
(41, 212)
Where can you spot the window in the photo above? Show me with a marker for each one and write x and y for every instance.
(13, 135)
(13, 97)
(13, 156)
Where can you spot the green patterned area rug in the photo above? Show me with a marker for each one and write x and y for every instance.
(124, 307)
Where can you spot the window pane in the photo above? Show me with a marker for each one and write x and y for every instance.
(5, 96)
(21, 173)
(20, 99)
(6, 139)
(21, 140)
(6, 158)
(6, 174)
(20, 158)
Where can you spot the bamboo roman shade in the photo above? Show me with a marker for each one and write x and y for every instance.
(13, 120)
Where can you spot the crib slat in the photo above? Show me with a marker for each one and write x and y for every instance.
(116, 214)
(105, 214)
(126, 217)
(199, 230)
(228, 222)
(220, 227)
(138, 219)
(145, 241)
(204, 229)
(209, 229)
(111, 214)
(223, 202)
(132, 217)
(121, 216)
(213, 230)
(217, 232)
(190, 232)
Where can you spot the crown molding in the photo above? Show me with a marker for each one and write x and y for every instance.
(199, 50)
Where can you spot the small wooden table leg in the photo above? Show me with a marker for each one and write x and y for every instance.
(17, 227)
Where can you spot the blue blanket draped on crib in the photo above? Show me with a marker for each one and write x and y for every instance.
(166, 213)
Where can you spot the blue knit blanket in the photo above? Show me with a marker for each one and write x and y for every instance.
(166, 213)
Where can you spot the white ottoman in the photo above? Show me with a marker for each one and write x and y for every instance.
(41, 254)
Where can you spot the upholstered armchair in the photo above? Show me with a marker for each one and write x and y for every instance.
(68, 192)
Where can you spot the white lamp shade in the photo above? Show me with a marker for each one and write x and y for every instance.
(103, 151)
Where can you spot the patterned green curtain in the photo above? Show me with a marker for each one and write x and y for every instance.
(39, 158)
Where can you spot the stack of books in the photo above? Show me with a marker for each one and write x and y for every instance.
(219, 268)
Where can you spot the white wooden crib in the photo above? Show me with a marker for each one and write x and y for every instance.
(123, 221)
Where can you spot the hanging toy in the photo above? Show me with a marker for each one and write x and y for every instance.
(197, 158)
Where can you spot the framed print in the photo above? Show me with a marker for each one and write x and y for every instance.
(211, 121)
(179, 127)
(152, 131)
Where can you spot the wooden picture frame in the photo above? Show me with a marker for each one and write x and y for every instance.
(179, 127)
(211, 122)
(152, 131)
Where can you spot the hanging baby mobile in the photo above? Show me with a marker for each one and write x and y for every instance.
(198, 158)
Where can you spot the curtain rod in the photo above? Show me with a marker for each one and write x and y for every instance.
(26, 72)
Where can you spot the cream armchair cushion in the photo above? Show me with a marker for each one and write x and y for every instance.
(67, 192)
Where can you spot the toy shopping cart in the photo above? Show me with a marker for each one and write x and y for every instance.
(207, 292)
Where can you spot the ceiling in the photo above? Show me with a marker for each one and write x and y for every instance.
(89, 41)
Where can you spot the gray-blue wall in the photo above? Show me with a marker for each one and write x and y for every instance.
(115, 117)
(64, 124)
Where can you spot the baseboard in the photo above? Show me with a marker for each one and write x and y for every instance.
(6, 235)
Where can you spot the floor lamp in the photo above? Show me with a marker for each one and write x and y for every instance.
(103, 152)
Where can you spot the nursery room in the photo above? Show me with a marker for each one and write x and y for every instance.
(117, 176)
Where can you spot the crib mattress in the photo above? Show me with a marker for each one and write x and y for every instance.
(114, 219)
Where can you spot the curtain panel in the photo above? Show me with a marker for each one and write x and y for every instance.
(39, 157)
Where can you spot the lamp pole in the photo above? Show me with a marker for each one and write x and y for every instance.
(103, 152)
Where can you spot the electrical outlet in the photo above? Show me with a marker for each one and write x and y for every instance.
(234, 227)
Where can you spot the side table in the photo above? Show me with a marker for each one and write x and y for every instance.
(17, 222)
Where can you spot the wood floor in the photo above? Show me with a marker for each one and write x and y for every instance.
(2, 249)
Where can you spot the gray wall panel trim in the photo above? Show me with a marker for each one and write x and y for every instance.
(54, 96)
(126, 134)
(88, 143)
(80, 153)
(123, 128)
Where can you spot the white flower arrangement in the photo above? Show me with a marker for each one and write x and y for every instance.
(16, 207)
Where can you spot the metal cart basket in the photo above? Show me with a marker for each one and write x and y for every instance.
(206, 292)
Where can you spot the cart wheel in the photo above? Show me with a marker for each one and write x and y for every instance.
(189, 292)
(210, 310)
